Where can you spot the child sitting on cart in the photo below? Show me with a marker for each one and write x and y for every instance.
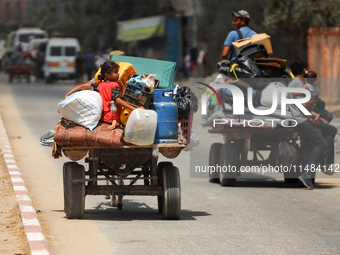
(109, 91)
(310, 78)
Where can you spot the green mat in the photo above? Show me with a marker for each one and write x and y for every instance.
(165, 70)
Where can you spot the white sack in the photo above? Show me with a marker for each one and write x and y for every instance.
(83, 108)
(267, 94)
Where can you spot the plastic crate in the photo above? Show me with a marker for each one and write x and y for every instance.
(186, 124)
(136, 97)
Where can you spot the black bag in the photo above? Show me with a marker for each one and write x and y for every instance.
(324, 113)
(186, 101)
(320, 104)
(246, 68)
(320, 108)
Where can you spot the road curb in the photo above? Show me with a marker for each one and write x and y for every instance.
(35, 238)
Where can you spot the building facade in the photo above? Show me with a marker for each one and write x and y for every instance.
(324, 58)
(23, 12)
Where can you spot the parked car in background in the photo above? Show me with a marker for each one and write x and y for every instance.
(60, 58)
(35, 44)
(19, 40)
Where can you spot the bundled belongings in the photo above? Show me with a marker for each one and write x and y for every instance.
(139, 90)
(243, 67)
(266, 70)
(253, 51)
(252, 62)
(273, 62)
(83, 108)
(145, 82)
(267, 94)
(254, 39)
(165, 70)
(67, 133)
(186, 101)
(274, 68)
(138, 93)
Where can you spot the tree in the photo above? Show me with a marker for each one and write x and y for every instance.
(287, 22)
(46, 17)
(92, 21)
(291, 19)
(215, 22)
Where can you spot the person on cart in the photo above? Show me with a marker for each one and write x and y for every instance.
(319, 135)
(109, 90)
(240, 23)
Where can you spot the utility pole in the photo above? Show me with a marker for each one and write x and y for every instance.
(194, 25)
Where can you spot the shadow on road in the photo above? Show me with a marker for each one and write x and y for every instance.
(273, 183)
(132, 211)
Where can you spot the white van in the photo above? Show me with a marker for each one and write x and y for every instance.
(22, 37)
(60, 58)
(33, 46)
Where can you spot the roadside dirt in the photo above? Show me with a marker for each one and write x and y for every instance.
(12, 236)
(44, 184)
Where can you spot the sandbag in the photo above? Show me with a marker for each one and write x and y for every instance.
(83, 108)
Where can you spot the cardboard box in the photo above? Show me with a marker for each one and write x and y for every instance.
(259, 38)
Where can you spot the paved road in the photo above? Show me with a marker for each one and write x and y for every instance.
(257, 216)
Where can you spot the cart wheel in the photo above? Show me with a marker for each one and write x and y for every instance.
(28, 78)
(160, 167)
(172, 193)
(65, 182)
(119, 202)
(75, 192)
(229, 158)
(10, 77)
(214, 159)
(113, 200)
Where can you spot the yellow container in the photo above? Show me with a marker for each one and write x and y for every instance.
(126, 70)
(124, 115)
